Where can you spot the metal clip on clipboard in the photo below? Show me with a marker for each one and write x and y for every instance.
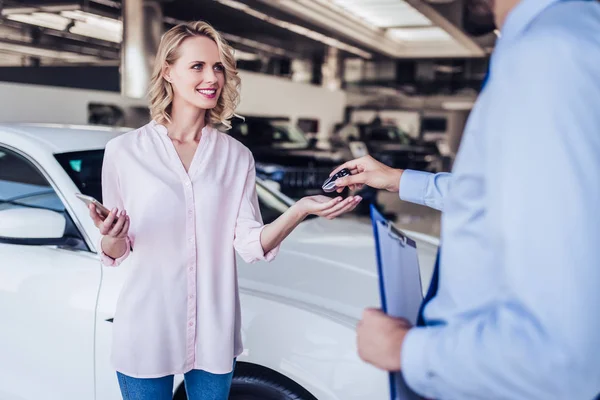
(396, 234)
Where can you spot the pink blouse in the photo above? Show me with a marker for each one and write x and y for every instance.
(179, 308)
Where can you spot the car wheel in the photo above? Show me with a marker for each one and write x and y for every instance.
(254, 382)
(260, 387)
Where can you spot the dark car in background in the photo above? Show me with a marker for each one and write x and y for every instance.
(284, 155)
(390, 145)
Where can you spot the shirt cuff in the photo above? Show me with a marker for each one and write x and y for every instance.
(416, 369)
(253, 251)
(108, 260)
(413, 186)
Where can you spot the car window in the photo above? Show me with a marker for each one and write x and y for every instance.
(387, 134)
(349, 132)
(264, 132)
(23, 185)
(85, 170)
(286, 132)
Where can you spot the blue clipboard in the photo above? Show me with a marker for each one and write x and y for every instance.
(399, 284)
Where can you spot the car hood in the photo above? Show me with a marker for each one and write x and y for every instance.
(329, 267)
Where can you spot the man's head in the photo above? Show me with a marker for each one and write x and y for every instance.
(483, 16)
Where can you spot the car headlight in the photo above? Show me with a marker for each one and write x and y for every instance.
(270, 171)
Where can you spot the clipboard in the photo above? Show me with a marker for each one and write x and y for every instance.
(399, 284)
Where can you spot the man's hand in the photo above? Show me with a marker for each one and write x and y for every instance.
(380, 337)
(368, 171)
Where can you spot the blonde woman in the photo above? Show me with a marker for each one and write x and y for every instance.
(189, 191)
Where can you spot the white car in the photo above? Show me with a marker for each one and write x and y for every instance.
(57, 301)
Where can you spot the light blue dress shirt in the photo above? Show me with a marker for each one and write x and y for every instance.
(517, 313)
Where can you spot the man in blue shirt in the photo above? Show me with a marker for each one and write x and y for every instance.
(517, 312)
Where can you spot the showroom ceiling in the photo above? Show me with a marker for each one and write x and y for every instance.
(89, 31)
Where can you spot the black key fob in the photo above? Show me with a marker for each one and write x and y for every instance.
(329, 185)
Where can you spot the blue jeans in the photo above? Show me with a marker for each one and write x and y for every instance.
(199, 385)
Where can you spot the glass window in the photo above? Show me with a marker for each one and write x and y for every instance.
(388, 134)
(22, 185)
(349, 133)
(266, 132)
(85, 170)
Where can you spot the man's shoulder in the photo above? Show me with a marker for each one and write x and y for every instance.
(576, 23)
(562, 39)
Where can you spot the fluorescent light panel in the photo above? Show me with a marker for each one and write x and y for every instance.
(244, 55)
(296, 28)
(384, 13)
(41, 52)
(95, 26)
(432, 34)
(46, 20)
(86, 24)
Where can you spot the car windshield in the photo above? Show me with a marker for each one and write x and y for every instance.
(22, 186)
(387, 134)
(268, 133)
(85, 169)
(286, 132)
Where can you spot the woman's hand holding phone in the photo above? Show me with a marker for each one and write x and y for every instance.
(114, 226)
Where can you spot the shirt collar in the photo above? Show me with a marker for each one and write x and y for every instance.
(163, 129)
(522, 15)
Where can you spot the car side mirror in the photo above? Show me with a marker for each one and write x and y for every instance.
(312, 142)
(32, 226)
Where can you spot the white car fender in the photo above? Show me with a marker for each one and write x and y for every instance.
(314, 348)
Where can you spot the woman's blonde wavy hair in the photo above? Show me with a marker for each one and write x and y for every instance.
(161, 91)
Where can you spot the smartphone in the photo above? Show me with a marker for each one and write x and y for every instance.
(103, 211)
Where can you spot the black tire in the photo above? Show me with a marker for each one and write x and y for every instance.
(261, 388)
(253, 382)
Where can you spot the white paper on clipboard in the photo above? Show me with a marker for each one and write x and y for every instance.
(399, 284)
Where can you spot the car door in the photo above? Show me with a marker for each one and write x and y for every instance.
(48, 289)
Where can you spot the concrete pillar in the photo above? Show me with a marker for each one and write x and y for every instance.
(331, 69)
(142, 29)
(301, 71)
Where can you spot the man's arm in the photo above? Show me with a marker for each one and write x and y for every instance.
(425, 188)
(414, 186)
(540, 339)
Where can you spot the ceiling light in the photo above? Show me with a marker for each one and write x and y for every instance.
(30, 10)
(458, 105)
(28, 49)
(319, 37)
(419, 34)
(94, 20)
(43, 19)
(96, 32)
(66, 17)
(385, 13)
(96, 26)
(244, 55)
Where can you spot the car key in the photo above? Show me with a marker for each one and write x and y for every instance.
(329, 185)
